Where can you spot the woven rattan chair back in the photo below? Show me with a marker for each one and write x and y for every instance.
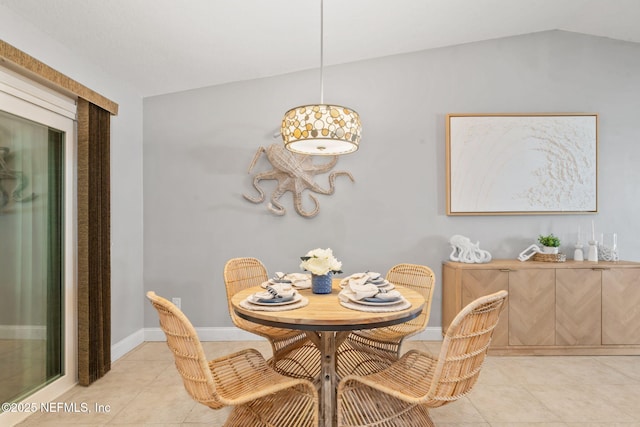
(421, 279)
(185, 345)
(240, 274)
(464, 349)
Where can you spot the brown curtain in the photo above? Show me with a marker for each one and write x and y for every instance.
(94, 243)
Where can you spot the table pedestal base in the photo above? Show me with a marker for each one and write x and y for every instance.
(328, 342)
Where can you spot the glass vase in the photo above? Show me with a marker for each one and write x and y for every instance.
(321, 284)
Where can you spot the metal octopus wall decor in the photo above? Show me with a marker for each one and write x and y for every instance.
(295, 173)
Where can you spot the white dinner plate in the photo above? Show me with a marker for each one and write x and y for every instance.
(381, 303)
(382, 285)
(296, 297)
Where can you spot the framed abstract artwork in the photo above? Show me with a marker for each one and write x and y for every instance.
(510, 164)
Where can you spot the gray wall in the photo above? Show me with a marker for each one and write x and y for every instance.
(198, 145)
(126, 164)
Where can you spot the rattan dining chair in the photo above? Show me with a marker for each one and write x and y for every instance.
(403, 393)
(294, 354)
(371, 350)
(260, 396)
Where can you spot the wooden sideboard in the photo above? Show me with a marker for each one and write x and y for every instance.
(581, 308)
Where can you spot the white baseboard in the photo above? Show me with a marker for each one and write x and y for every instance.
(207, 334)
(432, 333)
(23, 332)
(124, 346)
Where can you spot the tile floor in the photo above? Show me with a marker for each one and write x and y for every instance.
(143, 388)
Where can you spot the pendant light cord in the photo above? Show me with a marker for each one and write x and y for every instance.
(321, 51)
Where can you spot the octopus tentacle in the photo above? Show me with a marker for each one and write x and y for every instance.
(4, 198)
(259, 177)
(312, 185)
(297, 197)
(453, 256)
(333, 175)
(324, 167)
(274, 205)
(21, 184)
(256, 157)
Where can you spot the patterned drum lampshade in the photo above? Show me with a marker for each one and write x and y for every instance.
(321, 129)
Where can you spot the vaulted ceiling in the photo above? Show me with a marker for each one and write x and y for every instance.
(163, 46)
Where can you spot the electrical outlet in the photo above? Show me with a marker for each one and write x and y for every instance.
(177, 302)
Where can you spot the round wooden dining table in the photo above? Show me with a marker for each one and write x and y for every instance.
(328, 323)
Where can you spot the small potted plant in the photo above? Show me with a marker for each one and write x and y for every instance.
(549, 243)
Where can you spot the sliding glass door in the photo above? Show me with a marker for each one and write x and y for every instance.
(37, 244)
(31, 255)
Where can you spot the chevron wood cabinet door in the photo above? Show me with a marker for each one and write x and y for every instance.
(532, 306)
(579, 308)
(621, 306)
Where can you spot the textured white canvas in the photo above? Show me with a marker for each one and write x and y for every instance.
(517, 163)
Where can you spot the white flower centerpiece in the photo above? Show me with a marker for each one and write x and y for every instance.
(322, 265)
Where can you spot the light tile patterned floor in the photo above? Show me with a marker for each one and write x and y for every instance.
(143, 388)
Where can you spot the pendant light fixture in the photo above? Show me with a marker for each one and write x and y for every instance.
(321, 129)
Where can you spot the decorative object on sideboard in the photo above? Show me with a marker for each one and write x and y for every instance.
(606, 252)
(593, 251)
(529, 252)
(578, 253)
(542, 257)
(593, 245)
(550, 243)
(294, 173)
(466, 251)
(321, 129)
